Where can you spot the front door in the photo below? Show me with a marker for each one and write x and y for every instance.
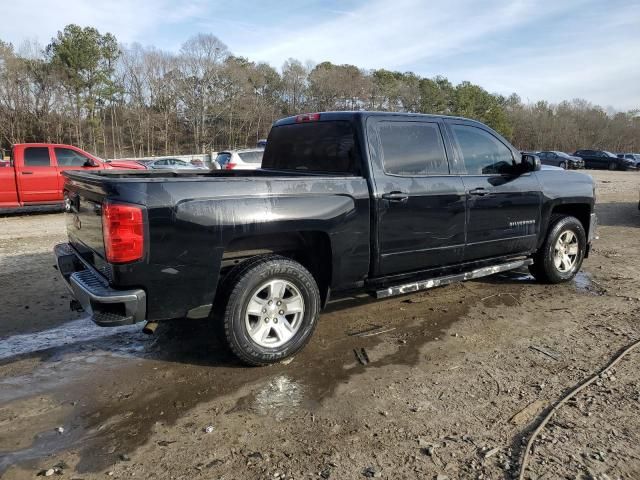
(37, 177)
(420, 205)
(70, 159)
(503, 205)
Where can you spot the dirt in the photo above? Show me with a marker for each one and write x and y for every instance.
(451, 383)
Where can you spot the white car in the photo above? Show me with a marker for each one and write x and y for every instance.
(246, 159)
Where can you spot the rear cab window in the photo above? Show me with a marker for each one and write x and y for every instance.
(37, 157)
(323, 146)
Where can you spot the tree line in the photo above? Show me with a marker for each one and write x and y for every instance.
(120, 101)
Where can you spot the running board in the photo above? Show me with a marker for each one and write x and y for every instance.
(446, 280)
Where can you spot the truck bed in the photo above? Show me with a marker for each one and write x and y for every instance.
(200, 223)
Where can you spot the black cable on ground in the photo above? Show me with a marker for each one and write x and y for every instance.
(571, 394)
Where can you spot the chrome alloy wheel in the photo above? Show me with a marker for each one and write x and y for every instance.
(565, 252)
(274, 313)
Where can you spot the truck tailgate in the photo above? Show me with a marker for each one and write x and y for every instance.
(84, 225)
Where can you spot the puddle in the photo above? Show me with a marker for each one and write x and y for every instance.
(280, 398)
(164, 376)
(66, 335)
(585, 284)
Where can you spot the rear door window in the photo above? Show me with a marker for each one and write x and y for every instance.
(482, 152)
(251, 157)
(412, 148)
(328, 146)
(37, 157)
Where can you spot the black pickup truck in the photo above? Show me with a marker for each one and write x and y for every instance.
(381, 202)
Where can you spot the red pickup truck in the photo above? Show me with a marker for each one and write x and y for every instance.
(33, 176)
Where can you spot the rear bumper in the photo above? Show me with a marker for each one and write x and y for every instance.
(107, 306)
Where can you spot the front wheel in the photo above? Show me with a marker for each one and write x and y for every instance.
(561, 255)
(563, 165)
(613, 166)
(271, 309)
(66, 202)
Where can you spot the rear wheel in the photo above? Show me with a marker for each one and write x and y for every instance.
(270, 310)
(561, 255)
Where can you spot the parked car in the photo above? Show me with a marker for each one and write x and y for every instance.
(246, 159)
(160, 164)
(171, 164)
(604, 160)
(560, 159)
(344, 201)
(197, 163)
(635, 157)
(34, 177)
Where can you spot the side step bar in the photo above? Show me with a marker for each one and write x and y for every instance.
(446, 280)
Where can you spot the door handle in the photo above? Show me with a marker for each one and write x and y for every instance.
(480, 191)
(27, 173)
(395, 196)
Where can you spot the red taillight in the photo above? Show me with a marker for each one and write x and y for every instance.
(123, 231)
(308, 117)
(230, 166)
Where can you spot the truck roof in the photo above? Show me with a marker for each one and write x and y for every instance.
(42, 144)
(358, 115)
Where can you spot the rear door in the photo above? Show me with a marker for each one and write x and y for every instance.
(37, 176)
(419, 202)
(503, 206)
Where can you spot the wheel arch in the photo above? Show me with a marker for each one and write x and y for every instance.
(312, 249)
(580, 210)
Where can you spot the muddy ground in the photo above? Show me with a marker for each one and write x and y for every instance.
(453, 385)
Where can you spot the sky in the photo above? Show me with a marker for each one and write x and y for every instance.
(542, 50)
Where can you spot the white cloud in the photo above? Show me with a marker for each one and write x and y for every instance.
(505, 46)
(393, 34)
(485, 42)
(128, 20)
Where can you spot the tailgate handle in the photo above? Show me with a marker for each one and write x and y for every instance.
(479, 191)
(395, 196)
(27, 173)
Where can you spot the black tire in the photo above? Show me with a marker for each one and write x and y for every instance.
(544, 268)
(241, 285)
(563, 165)
(613, 166)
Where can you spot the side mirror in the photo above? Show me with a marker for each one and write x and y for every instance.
(531, 163)
(90, 163)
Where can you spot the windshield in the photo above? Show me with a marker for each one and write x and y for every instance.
(563, 155)
(609, 154)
